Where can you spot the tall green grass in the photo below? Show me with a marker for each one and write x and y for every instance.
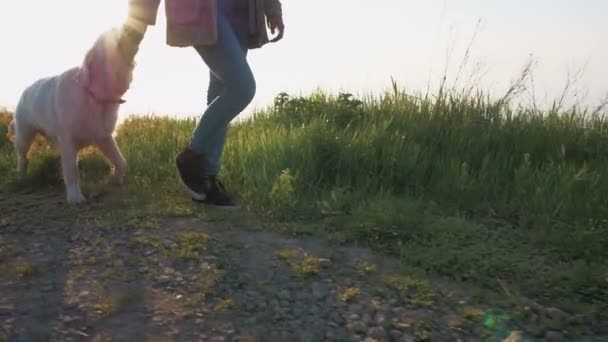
(463, 186)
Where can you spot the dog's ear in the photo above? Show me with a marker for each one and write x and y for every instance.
(11, 131)
(86, 70)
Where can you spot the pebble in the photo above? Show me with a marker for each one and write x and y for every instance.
(319, 291)
(163, 279)
(353, 317)
(356, 338)
(399, 312)
(406, 338)
(557, 314)
(306, 336)
(378, 333)
(395, 334)
(284, 295)
(381, 319)
(516, 336)
(335, 317)
(228, 329)
(535, 329)
(325, 263)
(297, 311)
(358, 327)
(356, 308)
(86, 237)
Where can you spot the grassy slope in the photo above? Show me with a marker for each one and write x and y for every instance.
(463, 187)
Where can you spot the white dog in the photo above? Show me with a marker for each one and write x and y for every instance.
(76, 109)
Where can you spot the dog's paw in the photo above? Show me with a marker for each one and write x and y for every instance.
(76, 198)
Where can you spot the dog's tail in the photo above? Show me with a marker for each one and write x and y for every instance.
(11, 131)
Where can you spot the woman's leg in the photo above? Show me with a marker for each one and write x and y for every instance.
(231, 89)
(217, 141)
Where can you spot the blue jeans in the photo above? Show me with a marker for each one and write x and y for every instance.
(231, 88)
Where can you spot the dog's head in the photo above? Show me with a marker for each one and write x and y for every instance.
(107, 69)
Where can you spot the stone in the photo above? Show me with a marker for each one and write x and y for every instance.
(516, 336)
(358, 327)
(378, 333)
(554, 336)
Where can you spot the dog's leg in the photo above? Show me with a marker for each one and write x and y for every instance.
(69, 167)
(23, 139)
(109, 147)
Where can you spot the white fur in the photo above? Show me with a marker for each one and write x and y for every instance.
(61, 108)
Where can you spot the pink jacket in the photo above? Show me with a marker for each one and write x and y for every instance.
(194, 22)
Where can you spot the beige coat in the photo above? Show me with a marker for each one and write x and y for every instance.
(194, 22)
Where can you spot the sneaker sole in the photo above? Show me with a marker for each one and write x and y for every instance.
(193, 194)
(225, 207)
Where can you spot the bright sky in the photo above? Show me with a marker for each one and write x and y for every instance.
(350, 45)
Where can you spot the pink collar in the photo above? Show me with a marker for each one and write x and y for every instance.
(105, 101)
(100, 100)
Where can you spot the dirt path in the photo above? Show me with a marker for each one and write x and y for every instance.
(66, 279)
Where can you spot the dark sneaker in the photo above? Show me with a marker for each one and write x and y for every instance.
(191, 170)
(216, 193)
